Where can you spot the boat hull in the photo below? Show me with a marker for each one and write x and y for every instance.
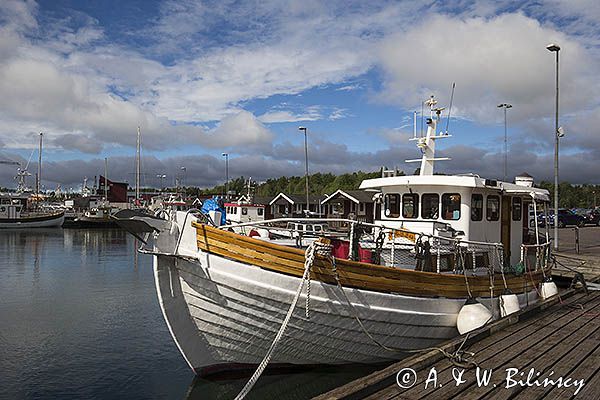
(223, 314)
(43, 221)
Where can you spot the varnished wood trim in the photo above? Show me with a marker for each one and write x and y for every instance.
(290, 261)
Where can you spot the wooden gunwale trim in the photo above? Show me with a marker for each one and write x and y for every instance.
(296, 257)
(290, 261)
(323, 267)
(350, 278)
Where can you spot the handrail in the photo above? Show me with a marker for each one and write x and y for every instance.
(352, 221)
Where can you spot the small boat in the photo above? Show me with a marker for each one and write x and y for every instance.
(445, 255)
(14, 215)
(98, 217)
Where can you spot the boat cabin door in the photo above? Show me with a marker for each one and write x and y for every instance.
(505, 226)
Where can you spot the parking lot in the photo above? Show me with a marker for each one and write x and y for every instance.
(589, 240)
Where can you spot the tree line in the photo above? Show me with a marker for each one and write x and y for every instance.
(319, 183)
(570, 196)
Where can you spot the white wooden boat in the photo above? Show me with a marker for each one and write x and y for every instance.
(411, 279)
(13, 216)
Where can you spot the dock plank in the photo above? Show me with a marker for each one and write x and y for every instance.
(582, 363)
(512, 341)
(560, 337)
(520, 355)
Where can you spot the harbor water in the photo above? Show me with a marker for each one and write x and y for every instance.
(79, 319)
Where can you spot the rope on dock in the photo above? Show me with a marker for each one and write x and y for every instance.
(314, 248)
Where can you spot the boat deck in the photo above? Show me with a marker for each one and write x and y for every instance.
(561, 335)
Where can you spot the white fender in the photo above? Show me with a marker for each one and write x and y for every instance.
(509, 304)
(471, 316)
(548, 289)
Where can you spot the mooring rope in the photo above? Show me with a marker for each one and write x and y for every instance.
(460, 358)
(312, 249)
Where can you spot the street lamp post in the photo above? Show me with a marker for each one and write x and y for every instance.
(505, 106)
(226, 155)
(301, 128)
(555, 49)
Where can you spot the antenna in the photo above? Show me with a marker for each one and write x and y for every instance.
(414, 125)
(422, 106)
(450, 107)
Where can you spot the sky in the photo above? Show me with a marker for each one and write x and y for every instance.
(202, 78)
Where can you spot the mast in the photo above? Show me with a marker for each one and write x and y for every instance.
(137, 166)
(106, 179)
(39, 174)
(427, 144)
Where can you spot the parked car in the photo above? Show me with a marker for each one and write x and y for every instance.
(565, 218)
(593, 217)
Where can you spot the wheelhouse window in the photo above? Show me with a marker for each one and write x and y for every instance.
(430, 208)
(244, 211)
(260, 211)
(392, 205)
(476, 207)
(492, 208)
(451, 206)
(517, 208)
(410, 205)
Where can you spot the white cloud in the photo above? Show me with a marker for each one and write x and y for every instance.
(500, 59)
(240, 131)
(311, 113)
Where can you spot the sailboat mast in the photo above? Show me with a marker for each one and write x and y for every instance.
(105, 178)
(39, 174)
(137, 166)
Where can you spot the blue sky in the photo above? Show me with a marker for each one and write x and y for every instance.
(201, 78)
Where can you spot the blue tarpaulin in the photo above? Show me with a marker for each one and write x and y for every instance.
(214, 204)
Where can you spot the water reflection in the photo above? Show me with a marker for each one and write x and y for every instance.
(294, 386)
(79, 318)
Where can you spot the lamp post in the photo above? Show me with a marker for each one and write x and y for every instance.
(555, 49)
(301, 128)
(226, 155)
(505, 106)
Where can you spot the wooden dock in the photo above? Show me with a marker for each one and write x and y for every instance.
(561, 336)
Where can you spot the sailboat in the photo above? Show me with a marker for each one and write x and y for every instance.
(446, 255)
(16, 210)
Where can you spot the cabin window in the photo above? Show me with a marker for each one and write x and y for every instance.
(517, 206)
(260, 211)
(451, 206)
(492, 209)
(392, 205)
(2, 209)
(477, 207)
(244, 211)
(410, 205)
(431, 206)
(361, 207)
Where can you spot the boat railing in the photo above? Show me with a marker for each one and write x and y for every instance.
(394, 247)
(535, 257)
